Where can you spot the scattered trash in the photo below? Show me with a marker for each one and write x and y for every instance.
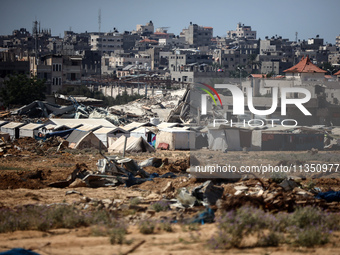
(207, 216)
(69, 192)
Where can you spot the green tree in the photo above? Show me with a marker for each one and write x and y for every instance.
(327, 67)
(21, 89)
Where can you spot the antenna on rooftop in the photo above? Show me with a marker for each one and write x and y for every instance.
(296, 36)
(99, 18)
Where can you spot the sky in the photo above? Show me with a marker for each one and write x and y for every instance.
(268, 17)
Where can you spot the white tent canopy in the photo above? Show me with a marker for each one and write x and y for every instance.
(178, 139)
(224, 139)
(133, 144)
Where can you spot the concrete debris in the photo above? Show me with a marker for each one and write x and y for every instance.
(155, 106)
(185, 198)
(155, 162)
(168, 188)
(208, 192)
(39, 109)
(288, 185)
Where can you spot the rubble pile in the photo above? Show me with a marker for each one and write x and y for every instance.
(156, 106)
(182, 191)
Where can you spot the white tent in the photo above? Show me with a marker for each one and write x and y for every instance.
(84, 139)
(79, 122)
(178, 139)
(145, 132)
(104, 133)
(223, 139)
(30, 130)
(12, 129)
(133, 144)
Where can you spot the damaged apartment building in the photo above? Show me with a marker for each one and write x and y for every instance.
(57, 70)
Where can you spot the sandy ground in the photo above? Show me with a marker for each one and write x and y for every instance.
(17, 187)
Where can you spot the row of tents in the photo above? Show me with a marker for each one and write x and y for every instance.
(100, 133)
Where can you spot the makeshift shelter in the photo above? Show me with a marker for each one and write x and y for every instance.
(135, 125)
(79, 122)
(273, 141)
(88, 127)
(12, 129)
(133, 144)
(79, 139)
(225, 138)
(287, 138)
(30, 130)
(176, 138)
(104, 133)
(148, 133)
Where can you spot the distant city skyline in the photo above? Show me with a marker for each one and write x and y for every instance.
(268, 17)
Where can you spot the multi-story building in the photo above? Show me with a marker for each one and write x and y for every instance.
(129, 40)
(334, 58)
(112, 63)
(176, 42)
(57, 70)
(107, 42)
(241, 31)
(145, 30)
(184, 63)
(197, 36)
(337, 41)
(275, 55)
(230, 59)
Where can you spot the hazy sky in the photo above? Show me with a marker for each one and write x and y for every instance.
(268, 17)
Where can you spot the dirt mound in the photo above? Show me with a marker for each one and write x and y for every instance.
(18, 180)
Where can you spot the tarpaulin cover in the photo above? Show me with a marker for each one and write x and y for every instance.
(18, 251)
(329, 196)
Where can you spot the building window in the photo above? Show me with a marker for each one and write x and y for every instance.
(56, 67)
(56, 81)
